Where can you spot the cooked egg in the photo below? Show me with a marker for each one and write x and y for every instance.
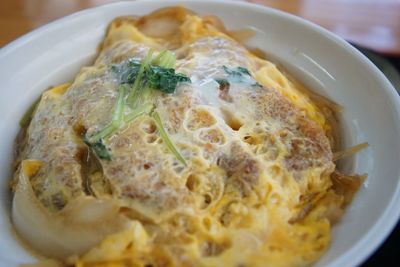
(256, 185)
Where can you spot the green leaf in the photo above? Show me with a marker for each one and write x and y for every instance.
(137, 81)
(222, 82)
(157, 73)
(99, 149)
(238, 71)
(129, 72)
(240, 75)
(164, 79)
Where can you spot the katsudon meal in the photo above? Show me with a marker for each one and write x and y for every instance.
(179, 146)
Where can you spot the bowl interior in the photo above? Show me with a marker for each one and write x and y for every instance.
(54, 54)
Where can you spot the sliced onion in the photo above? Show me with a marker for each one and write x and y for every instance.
(80, 225)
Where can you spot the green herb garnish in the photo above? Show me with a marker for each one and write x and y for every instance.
(222, 82)
(236, 75)
(143, 109)
(165, 59)
(99, 149)
(158, 74)
(140, 81)
(117, 119)
(166, 138)
(137, 81)
(165, 79)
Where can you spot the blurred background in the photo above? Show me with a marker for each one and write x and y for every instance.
(373, 26)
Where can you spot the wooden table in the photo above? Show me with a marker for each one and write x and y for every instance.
(374, 24)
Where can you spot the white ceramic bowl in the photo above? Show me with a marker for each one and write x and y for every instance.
(54, 53)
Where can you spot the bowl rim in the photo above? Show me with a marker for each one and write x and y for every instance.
(384, 225)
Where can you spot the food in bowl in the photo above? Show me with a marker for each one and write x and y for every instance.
(179, 147)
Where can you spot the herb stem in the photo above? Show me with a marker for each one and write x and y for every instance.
(118, 116)
(144, 109)
(156, 60)
(138, 81)
(166, 138)
(117, 119)
(108, 130)
(165, 59)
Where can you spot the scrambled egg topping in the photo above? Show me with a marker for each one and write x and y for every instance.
(258, 188)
